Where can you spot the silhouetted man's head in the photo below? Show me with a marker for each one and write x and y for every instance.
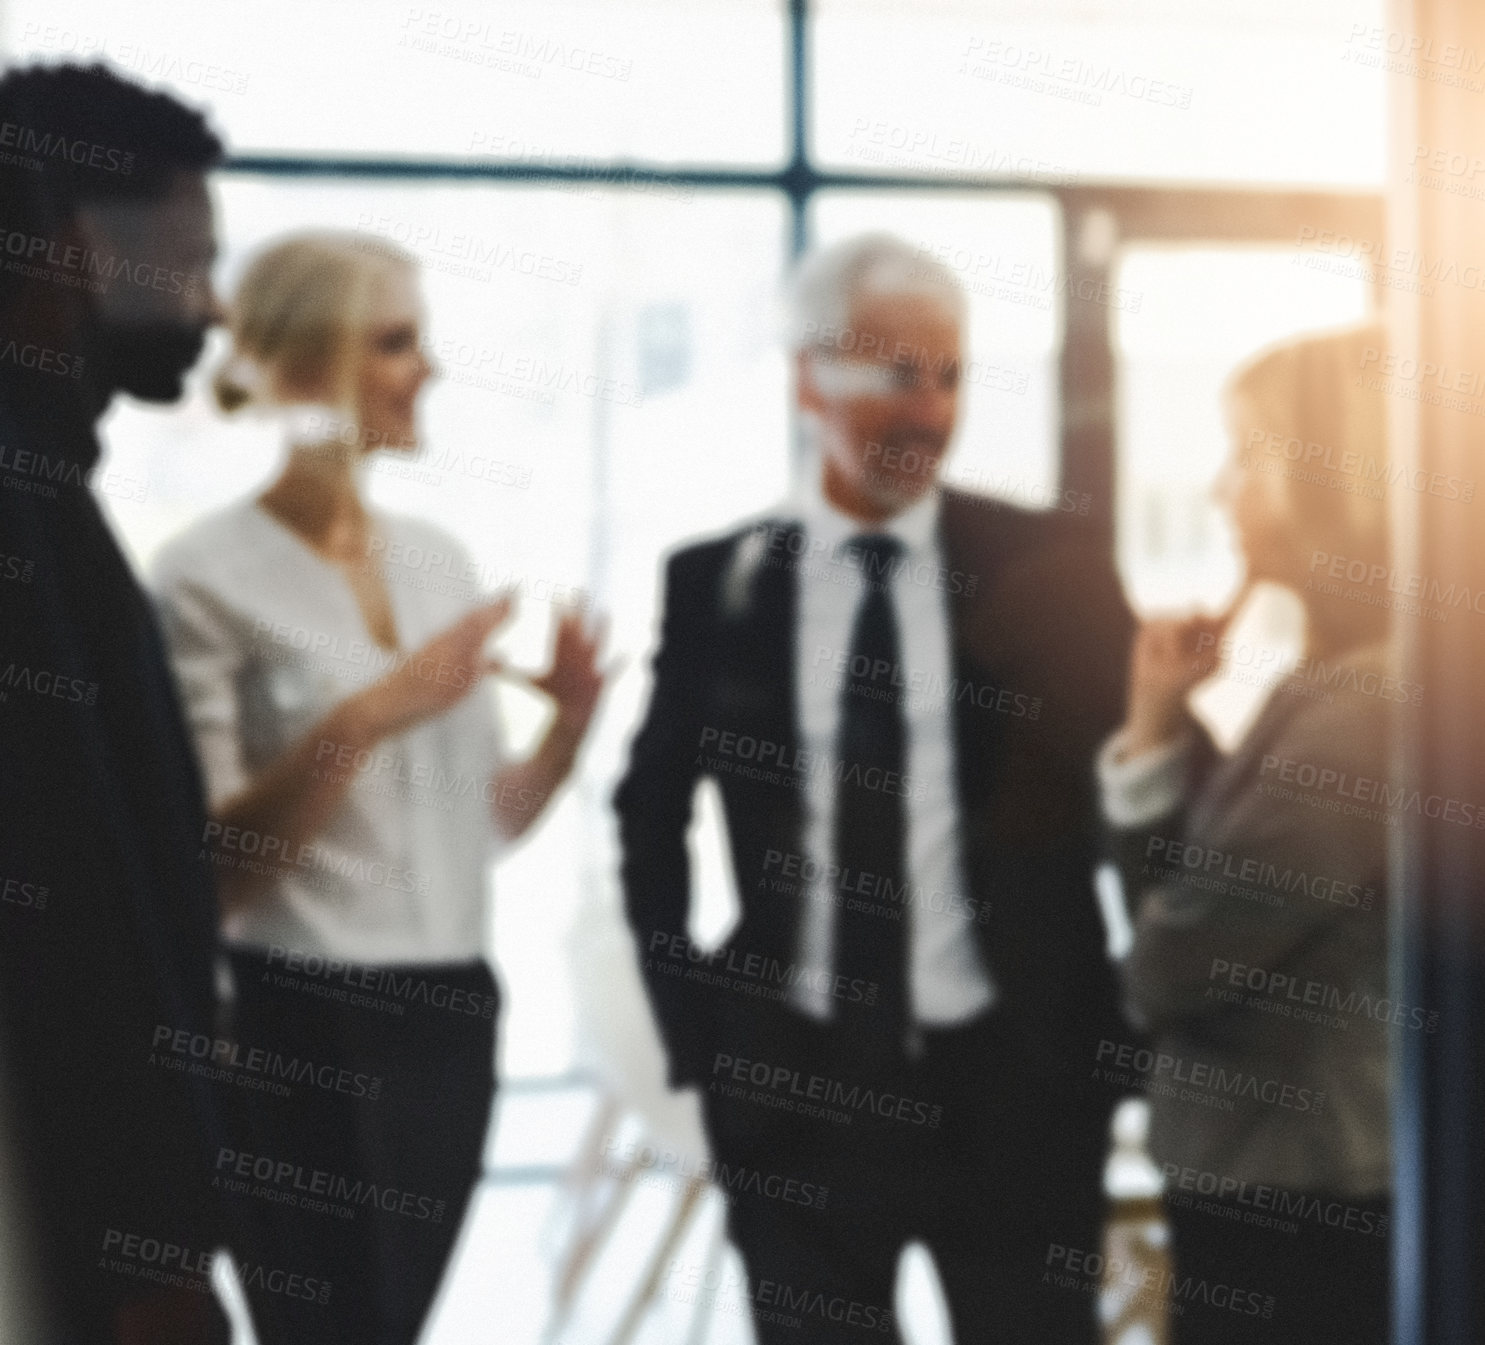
(106, 230)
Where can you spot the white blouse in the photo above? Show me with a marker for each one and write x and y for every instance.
(266, 637)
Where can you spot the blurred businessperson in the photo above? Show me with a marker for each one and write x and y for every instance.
(108, 925)
(359, 784)
(1282, 976)
(898, 689)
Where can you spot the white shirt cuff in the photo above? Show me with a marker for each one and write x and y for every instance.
(1138, 790)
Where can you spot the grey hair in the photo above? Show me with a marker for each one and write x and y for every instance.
(827, 284)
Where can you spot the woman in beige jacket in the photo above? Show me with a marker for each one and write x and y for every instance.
(1257, 887)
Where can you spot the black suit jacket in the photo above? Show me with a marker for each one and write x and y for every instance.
(108, 912)
(1036, 611)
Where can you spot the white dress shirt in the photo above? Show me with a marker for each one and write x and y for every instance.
(266, 637)
(1138, 790)
(947, 980)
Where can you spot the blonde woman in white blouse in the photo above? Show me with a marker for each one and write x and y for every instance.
(332, 674)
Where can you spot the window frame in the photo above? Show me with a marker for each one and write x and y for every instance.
(1143, 213)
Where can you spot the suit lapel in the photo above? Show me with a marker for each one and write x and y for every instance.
(968, 586)
(759, 605)
(753, 693)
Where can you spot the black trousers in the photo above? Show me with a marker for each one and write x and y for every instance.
(939, 1151)
(361, 1175)
(1325, 1282)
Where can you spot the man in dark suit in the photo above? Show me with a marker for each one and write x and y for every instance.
(898, 689)
(107, 912)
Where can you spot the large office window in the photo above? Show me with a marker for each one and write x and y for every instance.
(604, 196)
(536, 80)
(1153, 91)
(1175, 548)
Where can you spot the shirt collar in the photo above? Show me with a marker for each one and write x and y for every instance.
(916, 527)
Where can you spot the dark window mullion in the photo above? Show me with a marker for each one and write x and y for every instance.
(1087, 365)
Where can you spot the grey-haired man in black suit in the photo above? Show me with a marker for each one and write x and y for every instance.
(898, 689)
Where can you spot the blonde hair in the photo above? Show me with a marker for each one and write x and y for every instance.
(1319, 432)
(297, 315)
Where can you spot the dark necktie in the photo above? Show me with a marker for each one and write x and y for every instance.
(870, 815)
